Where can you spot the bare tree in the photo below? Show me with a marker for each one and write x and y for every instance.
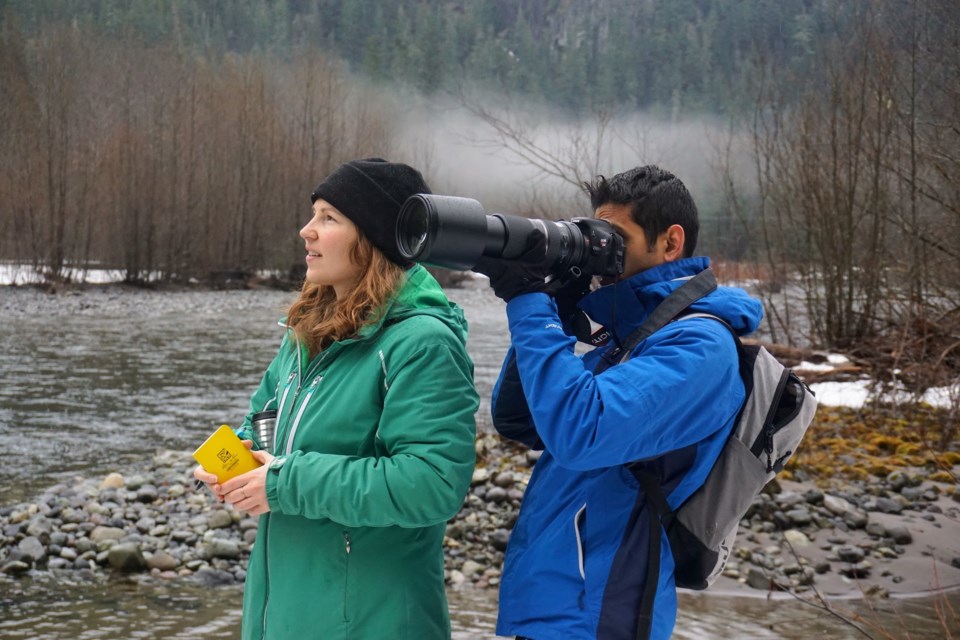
(571, 151)
(19, 155)
(822, 197)
(856, 191)
(164, 161)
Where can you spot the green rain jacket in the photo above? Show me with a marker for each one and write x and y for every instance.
(375, 446)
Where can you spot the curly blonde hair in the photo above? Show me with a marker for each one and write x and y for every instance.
(319, 319)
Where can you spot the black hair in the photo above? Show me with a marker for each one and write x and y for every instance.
(658, 198)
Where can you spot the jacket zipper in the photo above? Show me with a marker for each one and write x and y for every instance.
(303, 407)
(306, 375)
(777, 464)
(266, 532)
(764, 441)
(296, 394)
(286, 391)
(581, 513)
(346, 574)
(283, 402)
(266, 562)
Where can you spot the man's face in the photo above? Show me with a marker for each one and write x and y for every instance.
(638, 256)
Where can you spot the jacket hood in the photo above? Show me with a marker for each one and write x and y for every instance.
(624, 305)
(421, 294)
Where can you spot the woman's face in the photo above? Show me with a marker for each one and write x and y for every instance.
(329, 238)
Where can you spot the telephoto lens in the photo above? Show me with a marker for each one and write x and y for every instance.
(454, 233)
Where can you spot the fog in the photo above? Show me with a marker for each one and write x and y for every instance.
(464, 154)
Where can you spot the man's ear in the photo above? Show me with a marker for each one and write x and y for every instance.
(675, 238)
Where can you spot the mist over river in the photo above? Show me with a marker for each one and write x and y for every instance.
(97, 380)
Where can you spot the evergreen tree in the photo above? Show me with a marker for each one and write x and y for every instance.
(672, 56)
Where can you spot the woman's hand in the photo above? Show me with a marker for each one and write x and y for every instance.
(210, 480)
(247, 492)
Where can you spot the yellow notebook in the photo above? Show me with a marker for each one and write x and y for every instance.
(224, 455)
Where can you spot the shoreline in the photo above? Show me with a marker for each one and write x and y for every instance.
(155, 523)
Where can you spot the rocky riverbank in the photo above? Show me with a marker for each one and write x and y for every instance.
(899, 533)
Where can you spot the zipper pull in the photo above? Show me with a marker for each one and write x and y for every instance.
(346, 537)
(769, 449)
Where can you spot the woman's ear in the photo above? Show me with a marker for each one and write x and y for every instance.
(676, 238)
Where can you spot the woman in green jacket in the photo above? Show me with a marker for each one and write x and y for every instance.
(374, 445)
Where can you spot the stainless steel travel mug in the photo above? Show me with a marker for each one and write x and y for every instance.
(265, 429)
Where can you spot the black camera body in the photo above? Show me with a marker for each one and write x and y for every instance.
(603, 248)
(455, 233)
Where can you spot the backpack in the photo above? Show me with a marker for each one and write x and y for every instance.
(775, 415)
(776, 412)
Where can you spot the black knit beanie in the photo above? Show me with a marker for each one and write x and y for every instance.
(370, 192)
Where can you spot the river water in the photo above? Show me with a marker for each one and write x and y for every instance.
(95, 381)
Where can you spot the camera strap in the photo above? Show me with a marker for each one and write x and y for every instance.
(600, 337)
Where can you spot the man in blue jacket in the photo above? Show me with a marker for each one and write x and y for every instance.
(577, 560)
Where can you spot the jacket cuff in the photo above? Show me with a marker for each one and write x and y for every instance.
(523, 304)
(272, 482)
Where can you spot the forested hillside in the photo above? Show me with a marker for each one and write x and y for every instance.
(673, 56)
(172, 139)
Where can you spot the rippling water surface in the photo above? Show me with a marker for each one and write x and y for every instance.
(94, 382)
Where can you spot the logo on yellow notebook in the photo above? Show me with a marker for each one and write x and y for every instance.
(224, 455)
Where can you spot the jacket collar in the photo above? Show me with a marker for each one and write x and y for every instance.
(418, 295)
(624, 305)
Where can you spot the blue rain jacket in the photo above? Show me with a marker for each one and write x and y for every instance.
(577, 558)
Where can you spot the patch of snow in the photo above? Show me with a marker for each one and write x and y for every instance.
(842, 394)
(19, 274)
(942, 396)
(810, 366)
(857, 393)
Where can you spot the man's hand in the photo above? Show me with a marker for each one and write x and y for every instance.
(570, 290)
(525, 274)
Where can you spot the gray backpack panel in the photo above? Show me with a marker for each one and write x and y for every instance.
(775, 415)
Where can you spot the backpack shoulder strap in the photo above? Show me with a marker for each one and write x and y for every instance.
(699, 314)
(673, 305)
(657, 508)
(733, 332)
